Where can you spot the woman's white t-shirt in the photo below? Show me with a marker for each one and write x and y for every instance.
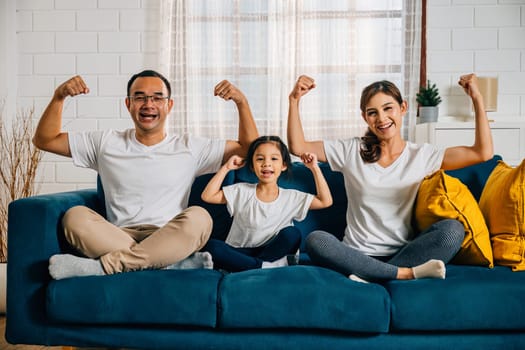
(256, 222)
(381, 200)
(145, 184)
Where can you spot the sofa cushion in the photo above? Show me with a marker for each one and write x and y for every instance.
(166, 297)
(470, 298)
(302, 297)
(441, 197)
(502, 204)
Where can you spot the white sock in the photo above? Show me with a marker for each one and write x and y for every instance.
(198, 260)
(67, 265)
(357, 278)
(431, 269)
(277, 263)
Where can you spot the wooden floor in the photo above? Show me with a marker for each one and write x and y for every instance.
(4, 345)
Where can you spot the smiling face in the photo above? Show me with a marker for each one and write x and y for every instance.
(268, 162)
(149, 116)
(384, 115)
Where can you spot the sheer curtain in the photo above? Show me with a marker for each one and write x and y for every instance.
(262, 46)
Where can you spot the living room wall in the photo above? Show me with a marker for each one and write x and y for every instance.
(106, 41)
(482, 36)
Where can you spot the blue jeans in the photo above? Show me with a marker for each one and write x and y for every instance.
(226, 257)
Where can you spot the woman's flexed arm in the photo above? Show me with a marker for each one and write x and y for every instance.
(296, 141)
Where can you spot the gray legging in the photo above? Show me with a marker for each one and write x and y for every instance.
(440, 241)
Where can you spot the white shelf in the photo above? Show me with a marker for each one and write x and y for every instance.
(508, 137)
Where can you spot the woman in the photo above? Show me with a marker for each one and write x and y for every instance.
(382, 173)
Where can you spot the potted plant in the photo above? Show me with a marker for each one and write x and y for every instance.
(19, 160)
(428, 100)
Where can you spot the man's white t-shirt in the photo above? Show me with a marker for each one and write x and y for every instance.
(256, 222)
(145, 184)
(381, 200)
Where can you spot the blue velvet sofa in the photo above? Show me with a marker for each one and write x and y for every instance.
(299, 307)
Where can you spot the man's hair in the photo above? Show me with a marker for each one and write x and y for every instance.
(149, 73)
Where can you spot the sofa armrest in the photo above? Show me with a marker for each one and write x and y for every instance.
(34, 235)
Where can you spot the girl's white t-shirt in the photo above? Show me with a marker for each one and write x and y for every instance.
(256, 222)
(381, 200)
(145, 184)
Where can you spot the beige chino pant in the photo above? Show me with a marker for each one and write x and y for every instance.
(122, 249)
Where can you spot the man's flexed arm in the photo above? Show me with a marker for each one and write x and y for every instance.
(247, 127)
(48, 135)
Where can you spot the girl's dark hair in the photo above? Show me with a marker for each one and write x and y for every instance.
(370, 144)
(285, 154)
(149, 73)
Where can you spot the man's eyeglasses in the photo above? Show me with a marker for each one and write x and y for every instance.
(142, 99)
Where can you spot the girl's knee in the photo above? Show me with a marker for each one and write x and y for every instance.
(291, 233)
(213, 245)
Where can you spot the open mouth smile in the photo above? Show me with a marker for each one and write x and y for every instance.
(267, 173)
(384, 127)
(147, 116)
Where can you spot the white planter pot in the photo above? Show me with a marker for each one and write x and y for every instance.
(428, 114)
(3, 286)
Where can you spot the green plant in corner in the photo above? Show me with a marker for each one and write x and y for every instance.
(19, 160)
(428, 96)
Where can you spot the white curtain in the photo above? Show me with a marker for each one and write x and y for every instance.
(262, 46)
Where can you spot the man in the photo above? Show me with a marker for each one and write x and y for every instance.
(147, 177)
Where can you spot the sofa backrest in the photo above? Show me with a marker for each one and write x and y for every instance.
(475, 176)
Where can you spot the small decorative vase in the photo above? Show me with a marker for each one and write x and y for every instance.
(428, 114)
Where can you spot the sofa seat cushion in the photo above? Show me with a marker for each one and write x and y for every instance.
(470, 298)
(164, 297)
(302, 297)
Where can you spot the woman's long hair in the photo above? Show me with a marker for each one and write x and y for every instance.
(370, 144)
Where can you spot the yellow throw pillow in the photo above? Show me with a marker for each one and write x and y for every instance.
(442, 196)
(501, 203)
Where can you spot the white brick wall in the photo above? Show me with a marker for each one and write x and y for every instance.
(106, 41)
(486, 37)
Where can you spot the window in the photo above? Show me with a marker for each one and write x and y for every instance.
(262, 46)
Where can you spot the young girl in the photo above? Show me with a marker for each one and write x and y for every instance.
(382, 174)
(262, 232)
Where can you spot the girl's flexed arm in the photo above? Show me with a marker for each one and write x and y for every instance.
(213, 193)
(323, 197)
